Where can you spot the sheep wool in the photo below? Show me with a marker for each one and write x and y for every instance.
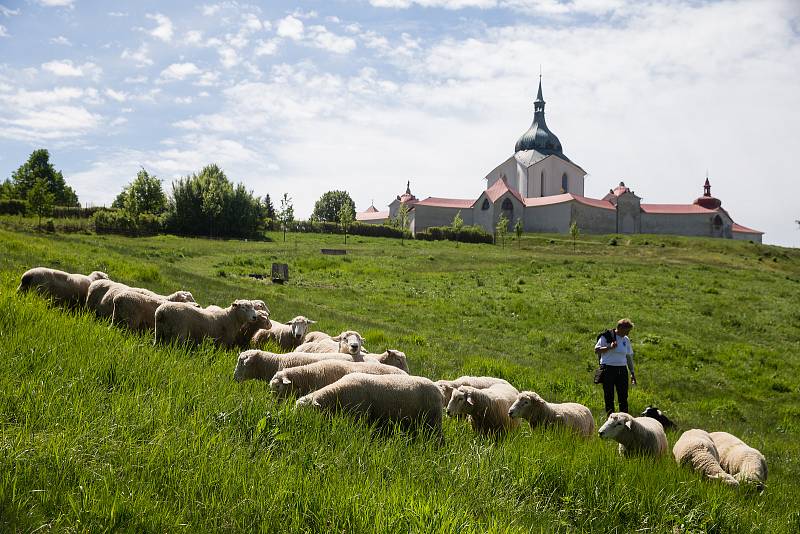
(478, 382)
(392, 357)
(696, 448)
(316, 336)
(635, 435)
(64, 288)
(137, 311)
(529, 405)
(288, 336)
(260, 365)
(307, 378)
(487, 408)
(348, 342)
(244, 339)
(743, 462)
(180, 321)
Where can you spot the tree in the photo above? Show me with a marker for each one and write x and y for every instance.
(145, 195)
(6, 189)
(38, 167)
(40, 200)
(329, 205)
(346, 218)
(269, 211)
(285, 215)
(213, 203)
(574, 231)
(401, 221)
(501, 230)
(518, 231)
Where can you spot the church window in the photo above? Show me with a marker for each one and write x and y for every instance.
(485, 205)
(507, 205)
(564, 183)
(717, 221)
(541, 185)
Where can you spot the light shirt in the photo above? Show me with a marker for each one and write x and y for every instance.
(619, 354)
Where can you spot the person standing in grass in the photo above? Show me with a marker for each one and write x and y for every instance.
(616, 357)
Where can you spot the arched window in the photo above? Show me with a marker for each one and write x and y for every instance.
(716, 221)
(485, 205)
(564, 183)
(507, 205)
(541, 185)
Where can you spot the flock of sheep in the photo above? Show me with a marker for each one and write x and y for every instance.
(337, 374)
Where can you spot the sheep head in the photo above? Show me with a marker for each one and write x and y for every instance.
(526, 404)
(300, 326)
(617, 424)
(244, 310)
(461, 401)
(395, 358)
(280, 385)
(350, 342)
(98, 275)
(181, 296)
(244, 367)
(446, 389)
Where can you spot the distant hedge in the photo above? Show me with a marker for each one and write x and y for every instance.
(69, 212)
(368, 230)
(122, 222)
(13, 207)
(467, 234)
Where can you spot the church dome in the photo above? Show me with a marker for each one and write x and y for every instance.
(707, 201)
(539, 137)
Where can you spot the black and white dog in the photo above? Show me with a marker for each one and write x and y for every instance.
(658, 415)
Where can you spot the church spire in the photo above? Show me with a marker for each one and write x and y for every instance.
(538, 104)
(539, 137)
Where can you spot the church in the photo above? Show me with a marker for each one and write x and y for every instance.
(543, 188)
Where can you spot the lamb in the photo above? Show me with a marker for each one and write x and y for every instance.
(307, 378)
(348, 342)
(744, 463)
(487, 408)
(696, 448)
(315, 336)
(392, 357)
(529, 405)
(137, 311)
(259, 365)
(181, 321)
(413, 402)
(64, 288)
(639, 435)
(478, 382)
(288, 336)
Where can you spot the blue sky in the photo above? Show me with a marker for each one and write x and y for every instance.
(364, 95)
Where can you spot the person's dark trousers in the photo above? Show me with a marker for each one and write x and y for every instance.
(615, 376)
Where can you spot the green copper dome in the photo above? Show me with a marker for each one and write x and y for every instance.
(539, 137)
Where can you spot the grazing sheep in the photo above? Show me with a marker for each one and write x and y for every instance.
(744, 463)
(392, 357)
(640, 435)
(244, 339)
(487, 408)
(315, 336)
(696, 448)
(259, 365)
(658, 415)
(137, 311)
(287, 336)
(478, 382)
(307, 378)
(97, 293)
(64, 288)
(348, 342)
(411, 401)
(181, 321)
(529, 405)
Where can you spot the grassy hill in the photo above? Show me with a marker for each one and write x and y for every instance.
(101, 431)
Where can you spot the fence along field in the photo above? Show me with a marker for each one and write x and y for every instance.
(100, 430)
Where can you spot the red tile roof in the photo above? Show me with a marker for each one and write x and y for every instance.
(371, 209)
(684, 209)
(744, 230)
(446, 202)
(567, 197)
(499, 188)
(371, 215)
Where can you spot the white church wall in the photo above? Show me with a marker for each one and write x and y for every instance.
(483, 217)
(690, 224)
(755, 238)
(427, 216)
(554, 168)
(553, 218)
(592, 220)
(508, 169)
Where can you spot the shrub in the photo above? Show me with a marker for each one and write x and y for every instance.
(71, 212)
(356, 228)
(467, 234)
(122, 222)
(13, 206)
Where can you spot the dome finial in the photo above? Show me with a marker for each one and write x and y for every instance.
(408, 187)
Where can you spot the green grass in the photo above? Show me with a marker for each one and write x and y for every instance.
(101, 431)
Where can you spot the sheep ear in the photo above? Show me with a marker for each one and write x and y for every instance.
(286, 381)
(629, 424)
(337, 338)
(311, 322)
(470, 400)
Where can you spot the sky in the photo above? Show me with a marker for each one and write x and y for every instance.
(365, 95)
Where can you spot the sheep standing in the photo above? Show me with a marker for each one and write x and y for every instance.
(288, 336)
(696, 448)
(487, 408)
(348, 342)
(181, 321)
(636, 435)
(64, 288)
(744, 463)
(410, 401)
(478, 382)
(259, 365)
(307, 378)
(137, 310)
(529, 405)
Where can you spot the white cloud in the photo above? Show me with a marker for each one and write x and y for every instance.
(290, 27)
(322, 38)
(56, 3)
(51, 123)
(7, 12)
(179, 71)
(60, 40)
(211, 10)
(251, 22)
(119, 96)
(163, 29)
(183, 100)
(193, 37)
(267, 48)
(447, 4)
(119, 121)
(3, 31)
(208, 79)
(117, 14)
(228, 57)
(140, 56)
(68, 69)
(136, 79)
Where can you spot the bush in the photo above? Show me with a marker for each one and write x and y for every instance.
(467, 234)
(13, 206)
(122, 222)
(69, 212)
(363, 229)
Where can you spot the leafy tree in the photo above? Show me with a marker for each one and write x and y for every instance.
(40, 200)
(574, 231)
(458, 224)
(145, 195)
(329, 205)
(285, 215)
(401, 221)
(122, 198)
(346, 218)
(518, 231)
(38, 167)
(501, 230)
(6, 189)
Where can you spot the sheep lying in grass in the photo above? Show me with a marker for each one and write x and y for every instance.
(64, 288)
(244, 339)
(696, 448)
(392, 357)
(307, 378)
(413, 402)
(288, 336)
(260, 365)
(478, 382)
(348, 342)
(744, 463)
(97, 290)
(529, 405)
(137, 310)
(315, 336)
(487, 408)
(640, 435)
(180, 321)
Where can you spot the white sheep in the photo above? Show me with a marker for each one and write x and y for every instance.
(315, 336)
(307, 378)
(260, 365)
(392, 357)
(244, 339)
(529, 405)
(411, 401)
(64, 288)
(288, 336)
(743, 462)
(137, 310)
(696, 448)
(636, 435)
(182, 321)
(478, 382)
(348, 342)
(487, 408)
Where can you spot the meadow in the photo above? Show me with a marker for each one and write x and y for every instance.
(101, 431)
